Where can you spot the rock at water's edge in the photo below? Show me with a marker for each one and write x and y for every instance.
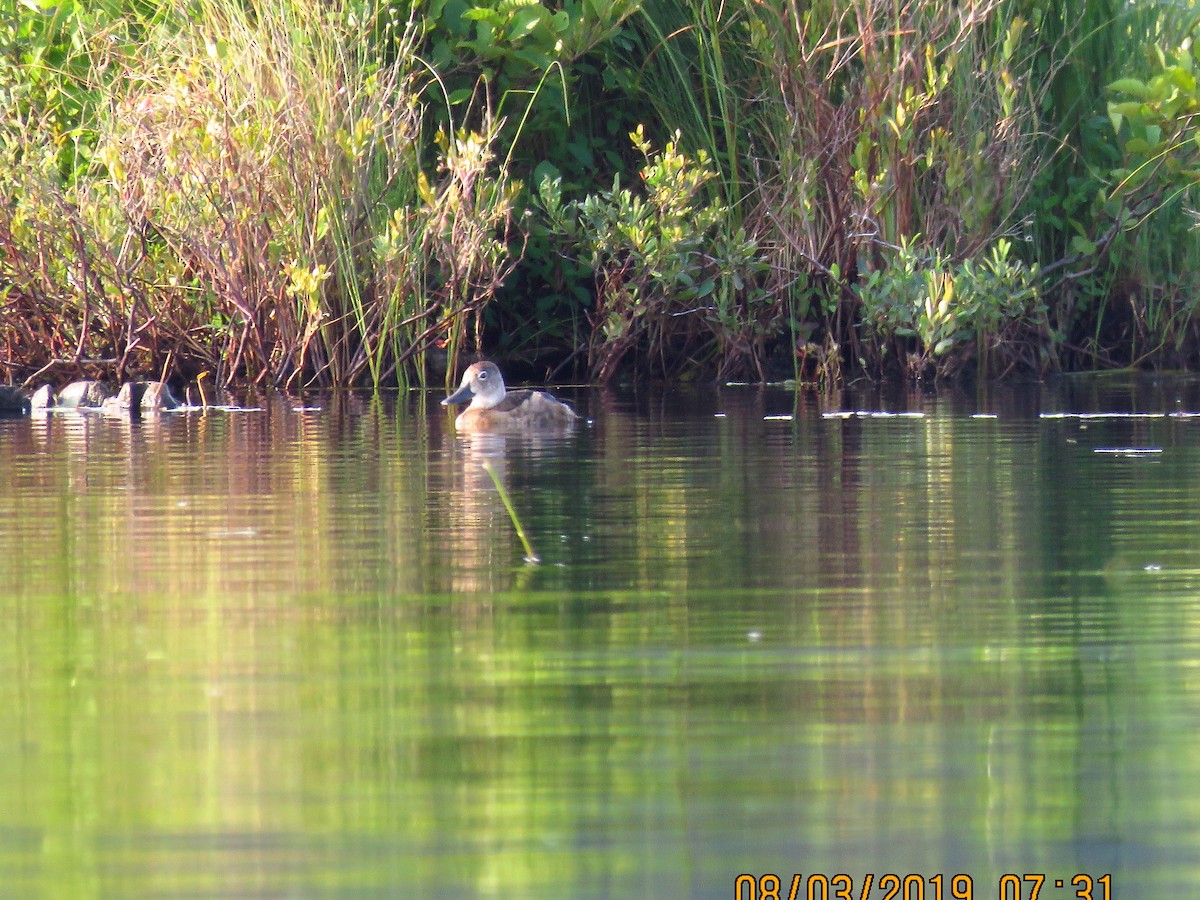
(12, 400)
(82, 394)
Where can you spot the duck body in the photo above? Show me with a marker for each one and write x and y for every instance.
(494, 408)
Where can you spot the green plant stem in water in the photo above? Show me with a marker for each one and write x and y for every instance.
(530, 557)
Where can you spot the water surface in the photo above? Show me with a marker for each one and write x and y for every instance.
(294, 649)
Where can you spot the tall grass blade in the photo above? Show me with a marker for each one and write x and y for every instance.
(530, 557)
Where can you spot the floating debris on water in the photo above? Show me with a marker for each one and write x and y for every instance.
(217, 407)
(1128, 451)
(1119, 415)
(984, 416)
(867, 414)
(790, 383)
(777, 418)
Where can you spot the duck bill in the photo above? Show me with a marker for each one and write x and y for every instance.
(462, 395)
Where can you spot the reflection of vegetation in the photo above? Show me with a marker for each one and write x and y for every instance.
(241, 649)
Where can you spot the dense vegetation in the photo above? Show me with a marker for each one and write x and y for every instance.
(343, 192)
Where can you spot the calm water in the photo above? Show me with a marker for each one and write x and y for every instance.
(294, 650)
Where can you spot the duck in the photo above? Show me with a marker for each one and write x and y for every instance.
(493, 408)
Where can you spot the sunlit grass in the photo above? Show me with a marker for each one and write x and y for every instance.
(530, 557)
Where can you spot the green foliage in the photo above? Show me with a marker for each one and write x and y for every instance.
(691, 63)
(514, 39)
(939, 315)
(323, 193)
(545, 75)
(883, 124)
(671, 282)
(1142, 217)
(67, 289)
(259, 204)
(1109, 175)
(1116, 209)
(1156, 129)
(529, 64)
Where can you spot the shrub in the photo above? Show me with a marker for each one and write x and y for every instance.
(937, 316)
(672, 283)
(263, 200)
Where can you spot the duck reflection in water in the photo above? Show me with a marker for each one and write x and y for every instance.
(493, 408)
(484, 551)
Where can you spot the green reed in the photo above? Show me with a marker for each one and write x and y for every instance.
(530, 557)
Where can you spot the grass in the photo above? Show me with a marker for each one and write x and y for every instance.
(289, 194)
(265, 201)
(530, 557)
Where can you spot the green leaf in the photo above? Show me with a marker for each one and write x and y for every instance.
(1183, 79)
(1130, 86)
(535, 59)
(478, 14)
(526, 21)
(1083, 245)
(1130, 108)
(545, 171)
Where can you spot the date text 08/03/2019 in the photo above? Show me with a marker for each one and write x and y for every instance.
(817, 886)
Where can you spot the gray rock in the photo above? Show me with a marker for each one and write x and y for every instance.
(130, 395)
(83, 393)
(126, 401)
(141, 397)
(43, 398)
(12, 400)
(156, 397)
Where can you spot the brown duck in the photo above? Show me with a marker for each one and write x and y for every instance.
(493, 408)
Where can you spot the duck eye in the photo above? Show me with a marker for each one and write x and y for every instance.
(483, 376)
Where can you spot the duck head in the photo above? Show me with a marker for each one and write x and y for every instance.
(481, 385)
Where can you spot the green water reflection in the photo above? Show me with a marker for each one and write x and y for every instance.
(296, 652)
